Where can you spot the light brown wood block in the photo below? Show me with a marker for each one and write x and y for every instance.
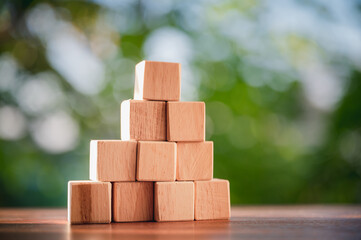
(195, 160)
(157, 81)
(212, 199)
(186, 121)
(173, 201)
(113, 160)
(89, 202)
(132, 201)
(143, 120)
(156, 161)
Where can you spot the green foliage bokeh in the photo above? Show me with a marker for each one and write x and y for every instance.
(259, 117)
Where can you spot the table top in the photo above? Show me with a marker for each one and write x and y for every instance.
(247, 222)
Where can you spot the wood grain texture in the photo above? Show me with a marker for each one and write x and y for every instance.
(157, 81)
(143, 120)
(248, 222)
(173, 201)
(113, 160)
(156, 161)
(186, 121)
(132, 201)
(212, 200)
(89, 202)
(195, 160)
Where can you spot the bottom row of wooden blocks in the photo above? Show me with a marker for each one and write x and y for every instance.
(102, 202)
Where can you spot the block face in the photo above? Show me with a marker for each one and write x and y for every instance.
(132, 201)
(157, 81)
(195, 160)
(89, 202)
(185, 121)
(173, 201)
(212, 200)
(156, 161)
(143, 120)
(113, 160)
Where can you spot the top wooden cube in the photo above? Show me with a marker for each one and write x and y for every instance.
(157, 81)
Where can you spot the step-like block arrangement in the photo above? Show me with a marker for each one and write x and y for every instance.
(161, 169)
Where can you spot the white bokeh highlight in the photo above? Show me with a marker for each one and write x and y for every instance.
(55, 133)
(68, 50)
(12, 123)
(8, 72)
(168, 44)
(39, 93)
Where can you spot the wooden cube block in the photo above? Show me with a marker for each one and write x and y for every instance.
(157, 81)
(186, 121)
(212, 200)
(113, 160)
(143, 120)
(89, 202)
(173, 201)
(132, 201)
(195, 160)
(156, 161)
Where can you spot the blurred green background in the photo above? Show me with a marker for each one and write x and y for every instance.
(281, 82)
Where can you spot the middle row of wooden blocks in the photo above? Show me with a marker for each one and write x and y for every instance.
(117, 160)
(162, 121)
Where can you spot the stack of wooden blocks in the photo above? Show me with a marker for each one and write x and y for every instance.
(162, 169)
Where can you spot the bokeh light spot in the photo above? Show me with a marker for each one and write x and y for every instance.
(12, 123)
(56, 133)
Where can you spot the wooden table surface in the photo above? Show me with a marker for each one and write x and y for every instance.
(247, 222)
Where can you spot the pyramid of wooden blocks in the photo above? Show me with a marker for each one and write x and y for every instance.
(161, 169)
